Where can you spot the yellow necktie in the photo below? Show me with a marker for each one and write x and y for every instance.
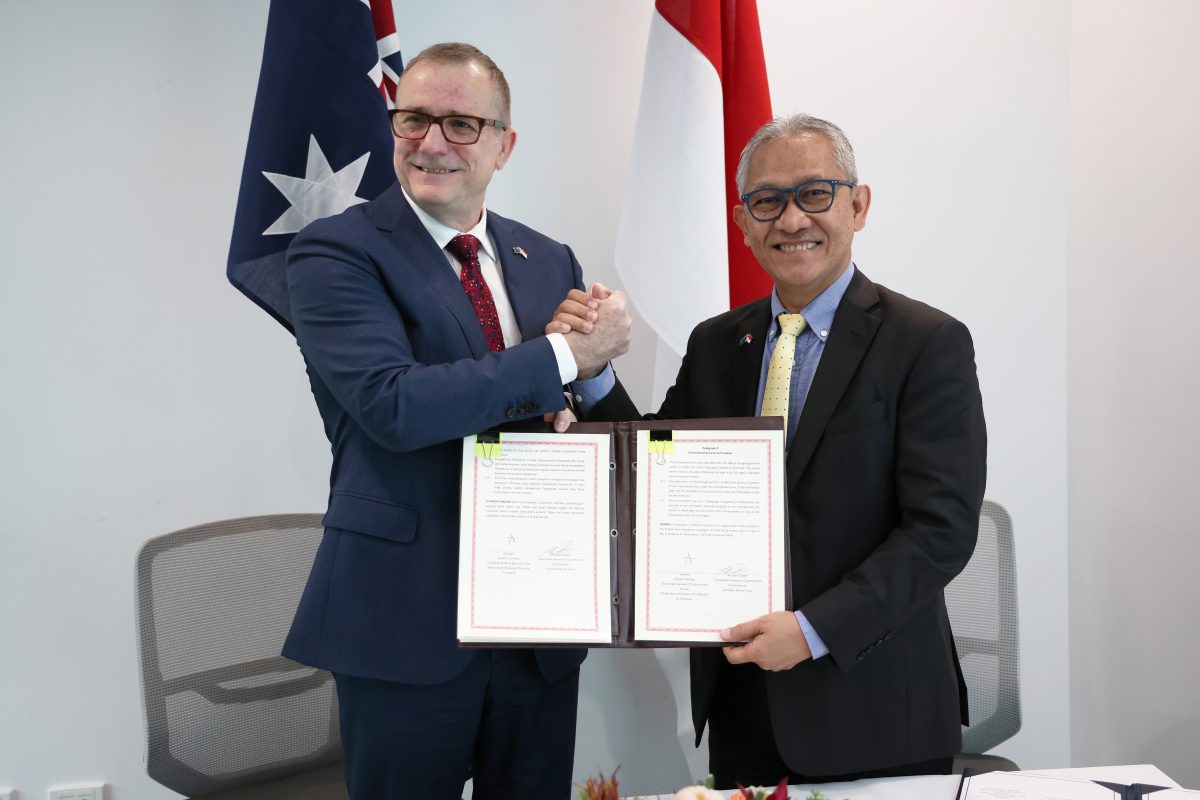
(779, 372)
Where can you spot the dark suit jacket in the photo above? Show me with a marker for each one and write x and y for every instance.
(400, 372)
(885, 480)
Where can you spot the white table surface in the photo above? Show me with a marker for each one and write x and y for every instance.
(945, 787)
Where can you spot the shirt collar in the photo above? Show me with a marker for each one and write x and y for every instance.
(442, 233)
(820, 310)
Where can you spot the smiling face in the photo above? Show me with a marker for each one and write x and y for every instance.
(449, 180)
(803, 253)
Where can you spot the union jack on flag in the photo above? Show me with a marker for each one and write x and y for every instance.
(319, 138)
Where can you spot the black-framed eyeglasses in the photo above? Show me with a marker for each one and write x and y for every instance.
(456, 128)
(811, 197)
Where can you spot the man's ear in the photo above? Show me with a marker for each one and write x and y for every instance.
(508, 142)
(861, 203)
(743, 220)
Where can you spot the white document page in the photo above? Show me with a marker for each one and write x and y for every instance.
(709, 536)
(1021, 786)
(534, 539)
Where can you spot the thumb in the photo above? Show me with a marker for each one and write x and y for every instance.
(599, 291)
(743, 632)
(563, 420)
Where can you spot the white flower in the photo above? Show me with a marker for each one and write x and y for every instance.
(697, 793)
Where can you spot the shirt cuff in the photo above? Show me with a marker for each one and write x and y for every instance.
(815, 645)
(568, 370)
(588, 393)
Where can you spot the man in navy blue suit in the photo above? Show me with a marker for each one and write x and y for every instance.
(420, 317)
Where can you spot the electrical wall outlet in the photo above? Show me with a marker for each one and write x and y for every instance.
(86, 791)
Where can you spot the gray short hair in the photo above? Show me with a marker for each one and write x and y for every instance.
(782, 127)
(460, 53)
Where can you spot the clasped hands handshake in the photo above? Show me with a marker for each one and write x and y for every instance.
(596, 325)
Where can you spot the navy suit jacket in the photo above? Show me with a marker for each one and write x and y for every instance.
(401, 372)
(885, 481)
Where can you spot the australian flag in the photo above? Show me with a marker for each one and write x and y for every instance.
(319, 138)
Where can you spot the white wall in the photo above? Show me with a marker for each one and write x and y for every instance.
(1134, 385)
(144, 394)
(140, 394)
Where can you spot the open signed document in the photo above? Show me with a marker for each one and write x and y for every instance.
(630, 534)
(711, 532)
(534, 538)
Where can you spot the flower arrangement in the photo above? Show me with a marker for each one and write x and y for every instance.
(759, 793)
(603, 788)
(600, 788)
(699, 792)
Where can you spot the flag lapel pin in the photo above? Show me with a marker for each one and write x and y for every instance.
(520, 251)
(745, 340)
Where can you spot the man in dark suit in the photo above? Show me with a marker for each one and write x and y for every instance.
(420, 319)
(885, 466)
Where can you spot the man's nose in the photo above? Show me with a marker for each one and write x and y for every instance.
(434, 141)
(793, 217)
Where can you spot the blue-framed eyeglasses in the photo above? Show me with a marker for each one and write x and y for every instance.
(811, 197)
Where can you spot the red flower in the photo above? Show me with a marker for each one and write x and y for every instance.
(780, 793)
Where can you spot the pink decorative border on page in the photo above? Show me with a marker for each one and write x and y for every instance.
(770, 526)
(595, 539)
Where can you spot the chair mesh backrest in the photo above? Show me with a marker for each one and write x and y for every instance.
(982, 602)
(223, 708)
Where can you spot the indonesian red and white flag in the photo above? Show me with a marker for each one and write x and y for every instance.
(704, 93)
(679, 255)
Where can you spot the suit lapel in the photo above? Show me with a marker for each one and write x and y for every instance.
(854, 327)
(520, 278)
(391, 213)
(747, 359)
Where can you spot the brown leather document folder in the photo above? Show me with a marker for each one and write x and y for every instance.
(623, 514)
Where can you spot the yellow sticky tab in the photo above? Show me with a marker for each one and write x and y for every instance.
(662, 443)
(488, 446)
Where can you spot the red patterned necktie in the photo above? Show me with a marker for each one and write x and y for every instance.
(465, 248)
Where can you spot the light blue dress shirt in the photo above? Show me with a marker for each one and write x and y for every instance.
(810, 344)
(589, 392)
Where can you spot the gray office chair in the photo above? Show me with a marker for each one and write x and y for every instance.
(226, 716)
(982, 602)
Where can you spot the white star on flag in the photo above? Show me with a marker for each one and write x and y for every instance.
(320, 193)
